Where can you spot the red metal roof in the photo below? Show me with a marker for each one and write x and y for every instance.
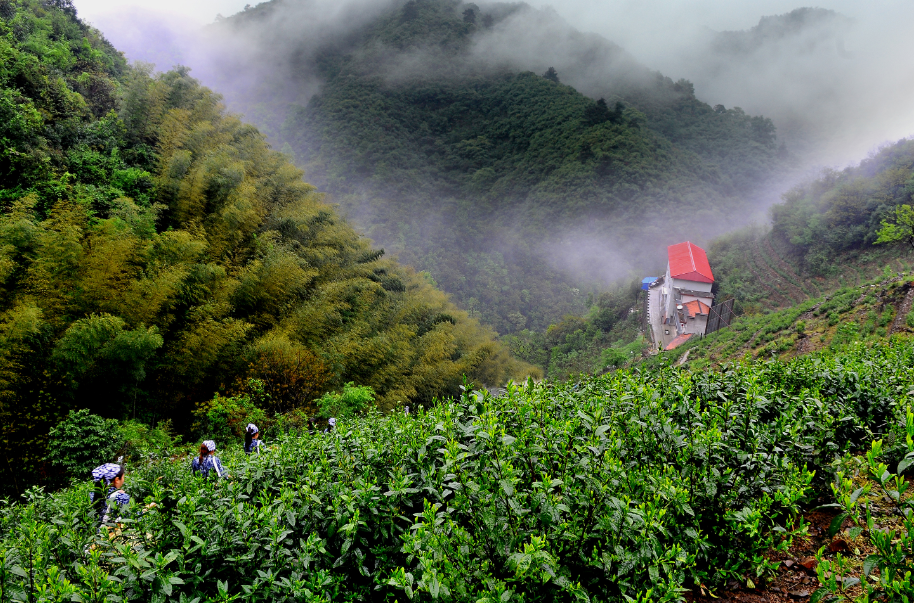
(689, 262)
(678, 341)
(696, 307)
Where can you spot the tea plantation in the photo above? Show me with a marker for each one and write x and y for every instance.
(632, 486)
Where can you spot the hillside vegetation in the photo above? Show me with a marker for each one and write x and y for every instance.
(154, 250)
(636, 486)
(515, 191)
(819, 269)
(872, 312)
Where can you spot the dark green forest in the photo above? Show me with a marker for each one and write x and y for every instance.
(155, 251)
(517, 193)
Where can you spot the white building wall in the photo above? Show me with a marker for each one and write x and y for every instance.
(696, 325)
(692, 285)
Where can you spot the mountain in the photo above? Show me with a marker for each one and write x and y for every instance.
(154, 251)
(815, 278)
(823, 236)
(821, 276)
(824, 78)
(441, 131)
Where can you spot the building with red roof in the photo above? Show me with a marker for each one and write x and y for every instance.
(685, 296)
(689, 262)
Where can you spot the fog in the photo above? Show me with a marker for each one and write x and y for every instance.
(836, 89)
(836, 84)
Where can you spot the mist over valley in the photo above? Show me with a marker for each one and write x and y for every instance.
(380, 315)
(432, 127)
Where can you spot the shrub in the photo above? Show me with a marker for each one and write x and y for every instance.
(887, 315)
(620, 353)
(224, 419)
(83, 441)
(846, 333)
(291, 378)
(140, 441)
(353, 400)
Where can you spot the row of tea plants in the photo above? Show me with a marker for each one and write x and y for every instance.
(634, 486)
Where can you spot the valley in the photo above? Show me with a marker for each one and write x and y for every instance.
(406, 244)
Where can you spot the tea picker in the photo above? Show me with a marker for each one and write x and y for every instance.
(108, 492)
(207, 461)
(252, 439)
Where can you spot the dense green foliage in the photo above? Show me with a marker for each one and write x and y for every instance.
(587, 344)
(77, 442)
(844, 210)
(637, 484)
(899, 229)
(513, 190)
(154, 250)
(892, 555)
(352, 400)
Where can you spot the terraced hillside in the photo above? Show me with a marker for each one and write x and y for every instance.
(872, 311)
(823, 237)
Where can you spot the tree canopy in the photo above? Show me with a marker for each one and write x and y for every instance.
(155, 250)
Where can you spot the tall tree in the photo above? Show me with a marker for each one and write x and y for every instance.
(901, 230)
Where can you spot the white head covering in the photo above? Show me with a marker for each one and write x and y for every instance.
(210, 445)
(332, 422)
(252, 428)
(108, 472)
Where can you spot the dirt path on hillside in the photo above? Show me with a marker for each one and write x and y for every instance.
(794, 293)
(900, 324)
(790, 272)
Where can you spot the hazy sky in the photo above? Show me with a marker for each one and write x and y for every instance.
(787, 82)
(632, 20)
(200, 11)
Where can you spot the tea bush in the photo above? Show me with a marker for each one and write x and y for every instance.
(636, 485)
(354, 399)
(81, 441)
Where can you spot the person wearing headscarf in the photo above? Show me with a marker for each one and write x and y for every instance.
(331, 425)
(207, 461)
(108, 495)
(252, 439)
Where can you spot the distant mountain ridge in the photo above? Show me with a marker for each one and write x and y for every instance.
(828, 23)
(512, 190)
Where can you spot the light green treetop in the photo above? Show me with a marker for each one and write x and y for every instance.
(902, 231)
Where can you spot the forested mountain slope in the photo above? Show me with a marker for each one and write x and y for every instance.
(816, 278)
(823, 236)
(513, 190)
(154, 250)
